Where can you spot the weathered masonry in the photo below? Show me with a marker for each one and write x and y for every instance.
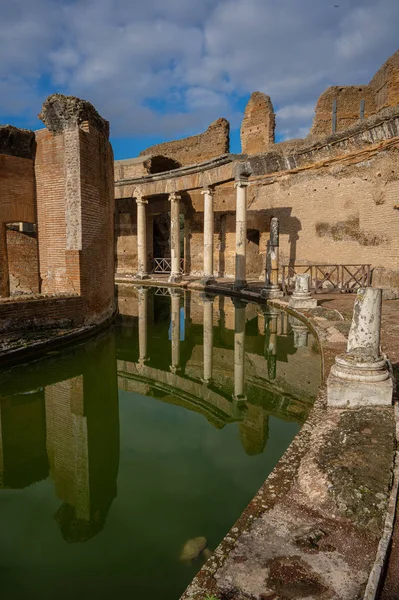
(56, 219)
(335, 195)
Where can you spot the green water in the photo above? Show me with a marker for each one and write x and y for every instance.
(114, 453)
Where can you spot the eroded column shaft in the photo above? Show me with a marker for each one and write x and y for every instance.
(366, 322)
(241, 233)
(141, 237)
(272, 258)
(208, 234)
(175, 236)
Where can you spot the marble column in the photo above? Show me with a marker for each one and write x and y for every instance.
(142, 272)
(175, 320)
(239, 350)
(302, 298)
(272, 288)
(208, 236)
(361, 376)
(241, 233)
(174, 199)
(207, 301)
(143, 323)
(4, 276)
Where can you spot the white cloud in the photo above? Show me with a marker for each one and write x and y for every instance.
(170, 68)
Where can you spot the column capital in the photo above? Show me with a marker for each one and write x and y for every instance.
(207, 190)
(241, 183)
(174, 197)
(140, 199)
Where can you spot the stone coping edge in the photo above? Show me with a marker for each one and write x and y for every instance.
(377, 573)
(36, 350)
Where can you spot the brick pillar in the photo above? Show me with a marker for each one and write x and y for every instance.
(75, 204)
(4, 277)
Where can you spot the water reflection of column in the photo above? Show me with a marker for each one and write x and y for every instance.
(271, 321)
(208, 336)
(143, 319)
(175, 318)
(239, 350)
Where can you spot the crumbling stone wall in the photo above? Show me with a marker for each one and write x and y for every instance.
(17, 188)
(197, 148)
(23, 262)
(381, 92)
(258, 125)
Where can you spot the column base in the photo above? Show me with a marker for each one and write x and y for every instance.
(271, 292)
(357, 380)
(142, 276)
(240, 284)
(306, 301)
(175, 370)
(175, 278)
(143, 361)
(342, 393)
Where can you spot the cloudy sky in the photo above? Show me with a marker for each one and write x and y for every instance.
(163, 69)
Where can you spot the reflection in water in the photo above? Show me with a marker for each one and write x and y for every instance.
(238, 365)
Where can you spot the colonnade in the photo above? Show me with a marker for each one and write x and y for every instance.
(208, 274)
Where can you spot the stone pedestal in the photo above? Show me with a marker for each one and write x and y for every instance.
(361, 376)
(241, 234)
(208, 237)
(175, 275)
(141, 238)
(272, 288)
(302, 298)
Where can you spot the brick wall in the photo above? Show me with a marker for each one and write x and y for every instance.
(385, 83)
(197, 148)
(43, 312)
(23, 265)
(258, 125)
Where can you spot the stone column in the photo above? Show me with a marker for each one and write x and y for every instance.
(272, 288)
(301, 332)
(241, 233)
(141, 238)
(175, 319)
(302, 298)
(208, 236)
(143, 320)
(271, 323)
(239, 351)
(361, 376)
(208, 336)
(174, 199)
(4, 276)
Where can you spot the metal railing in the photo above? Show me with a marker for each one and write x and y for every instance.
(164, 265)
(328, 278)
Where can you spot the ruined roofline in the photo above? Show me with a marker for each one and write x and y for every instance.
(186, 170)
(17, 142)
(286, 158)
(60, 112)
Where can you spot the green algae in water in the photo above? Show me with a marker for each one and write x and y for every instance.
(117, 452)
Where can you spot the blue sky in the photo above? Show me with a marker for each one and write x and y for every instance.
(163, 69)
